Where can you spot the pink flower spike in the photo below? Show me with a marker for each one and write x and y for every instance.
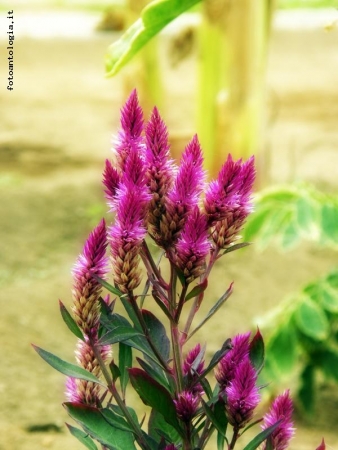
(186, 405)
(132, 117)
(170, 447)
(193, 366)
(193, 246)
(225, 370)
(184, 194)
(242, 395)
(281, 408)
(87, 290)
(111, 179)
(322, 445)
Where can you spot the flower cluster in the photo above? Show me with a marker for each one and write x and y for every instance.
(192, 222)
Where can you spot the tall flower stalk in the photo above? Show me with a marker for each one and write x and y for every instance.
(193, 224)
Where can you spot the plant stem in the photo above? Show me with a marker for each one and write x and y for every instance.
(151, 266)
(234, 438)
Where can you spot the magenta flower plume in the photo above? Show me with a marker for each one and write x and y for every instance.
(160, 170)
(184, 194)
(226, 368)
(132, 127)
(322, 445)
(129, 230)
(170, 447)
(193, 246)
(281, 408)
(91, 263)
(228, 200)
(111, 180)
(242, 395)
(193, 366)
(82, 391)
(186, 405)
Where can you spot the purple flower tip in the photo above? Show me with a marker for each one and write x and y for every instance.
(322, 445)
(186, 405)
(242, 394)
(281, 409)
(132, 116)
(111, 179)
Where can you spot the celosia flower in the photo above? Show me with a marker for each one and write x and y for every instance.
(87, 290)
(227, 200)
(242, 395)
(281, 408)
(193, 366)
(322, 445)
(160, 170)
(129, 230)
(132, 127)
(193, 246)
(82, 391)
(186, 405)
(226, 368)
(184, 194)
(111, 179)
(170, 447)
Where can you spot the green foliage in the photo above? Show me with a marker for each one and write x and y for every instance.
(303, 336)
(154, 17)
(286, 215)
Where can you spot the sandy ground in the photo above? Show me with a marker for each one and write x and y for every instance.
(55, 134)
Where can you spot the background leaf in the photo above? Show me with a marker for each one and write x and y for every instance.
(83, 437)
(311, 320)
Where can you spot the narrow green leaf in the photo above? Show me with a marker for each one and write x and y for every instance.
(140, 343)
(131, 313)
(154, 395)
(226, 347)
(82, 437)
(219, 422)
(92, 420)
(307, 217)
(71, 370)
(154, 17)
(108, 286)
(329, 298)
(70, 322)
(256, 442)
(155, 374)
(115, 371)
(118, 334)
(311, 320)
(329, 216)
(214, 309)
(196, 290)
(235, 247)
(257, 351)
(157, 333)
(158, 427)
(115, 420)
(125, 363)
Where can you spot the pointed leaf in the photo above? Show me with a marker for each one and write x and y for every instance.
(82, 437)
(154, 17)
(235, 247)
(157, 333)
(71, 370)
(108, 286)
(226, 347)
(158, 428)
(256, 351)
(125, 363)
(92, 421)
(155, 395)
(196, 290)
(155, 374)
(118, 334)
(282, 348)
(213, 310)
(256, 442)
(218, 421)
(311, 320)
(70, 322)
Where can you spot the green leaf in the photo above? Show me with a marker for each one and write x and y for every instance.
(311, 320)
(125, 363)
(329, 216)
(140, 343)
(219, 421)
(154, 395)
(328, 362)
(282, 348)
(118, 334)
(256, 351)
(71, 370)
(290, 235)
(157, 333)
(115, 420)
(196, 290)
(255, 221)
(155, 374)
(92, 420)
(307, 217)
(108, 286)
(158, 428)
(256, 442)
(329, 298)
(226, 347)
(154, 17)
(82, 437)
(214, 309)
(307, 389)
(70, 322)
(131, 313)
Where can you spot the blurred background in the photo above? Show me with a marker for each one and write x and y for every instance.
(257, 80)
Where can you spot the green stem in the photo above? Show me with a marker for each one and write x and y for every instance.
(181, 303)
